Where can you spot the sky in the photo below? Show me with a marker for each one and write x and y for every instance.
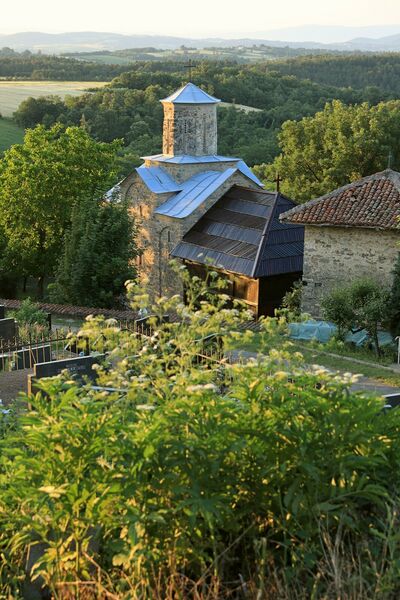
(191, 18)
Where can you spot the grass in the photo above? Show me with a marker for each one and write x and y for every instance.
(316, 355)
(10, 134)
(12, 93)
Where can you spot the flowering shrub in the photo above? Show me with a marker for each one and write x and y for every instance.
(197, 477)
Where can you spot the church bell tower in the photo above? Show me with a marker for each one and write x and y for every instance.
(190, 123)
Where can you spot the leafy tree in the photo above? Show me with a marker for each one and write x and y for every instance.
(97, 256)
(370, 304)
(337, 307)
(336, 146)
(40, 183)
(34, 111)
(363, 303)
(394, 301)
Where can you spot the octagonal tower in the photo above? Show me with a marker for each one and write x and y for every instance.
(190, 123)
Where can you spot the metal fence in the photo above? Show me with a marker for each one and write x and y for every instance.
(58, 344)
(17, 353)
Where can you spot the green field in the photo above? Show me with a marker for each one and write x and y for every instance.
(12, 93)
(10, 134)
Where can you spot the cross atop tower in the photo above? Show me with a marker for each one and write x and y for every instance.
(190, 66)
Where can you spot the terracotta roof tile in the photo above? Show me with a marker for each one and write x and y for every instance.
(373, 201)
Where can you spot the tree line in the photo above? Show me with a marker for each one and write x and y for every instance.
(55, 68)
(129, 109)
(379, 71)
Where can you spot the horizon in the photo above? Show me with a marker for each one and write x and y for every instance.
(275, 35)
(260, 20)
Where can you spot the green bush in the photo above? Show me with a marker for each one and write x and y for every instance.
(394, 301)
(363, 304)
(292, 299)
(337, 308)
(202, 478)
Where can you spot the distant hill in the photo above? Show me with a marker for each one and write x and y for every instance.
(91, 41)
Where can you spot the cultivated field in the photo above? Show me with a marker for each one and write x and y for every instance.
(12, 93)
(10, 134)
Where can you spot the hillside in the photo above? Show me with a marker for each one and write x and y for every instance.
(10, 134)
(356, 71)
(373, 40)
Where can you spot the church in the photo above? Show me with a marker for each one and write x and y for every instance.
(208, 210)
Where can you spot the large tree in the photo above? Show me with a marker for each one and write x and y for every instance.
(394, 303)
(98, 255)
(336, 146)
(41, 181)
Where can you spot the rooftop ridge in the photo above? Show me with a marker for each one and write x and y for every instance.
(393, 176)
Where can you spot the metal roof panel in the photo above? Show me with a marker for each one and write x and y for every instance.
(194, 192)
(243, 168)
(158, 180)
(191, 94)
(188, 159)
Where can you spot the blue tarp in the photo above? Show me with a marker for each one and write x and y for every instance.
(322, 331)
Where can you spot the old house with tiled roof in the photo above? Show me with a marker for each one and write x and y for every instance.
(349, 233)
(210, 210)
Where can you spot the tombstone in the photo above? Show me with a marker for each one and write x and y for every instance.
(8, 330)
(392, 400)
(79, 368)
(26, 358)
(2, 311)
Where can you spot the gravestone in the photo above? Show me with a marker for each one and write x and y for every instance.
(8, 330)
(26, 358)
(79, 368)
(392, 400)
(2, 311)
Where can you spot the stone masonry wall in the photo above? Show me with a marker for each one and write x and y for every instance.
(159, 234)
(335, 256)
(190, 129)
(182, 172)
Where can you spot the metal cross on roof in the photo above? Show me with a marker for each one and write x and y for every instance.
(278, 179)
(190, 67)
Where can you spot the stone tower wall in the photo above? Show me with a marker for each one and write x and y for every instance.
(190, 129)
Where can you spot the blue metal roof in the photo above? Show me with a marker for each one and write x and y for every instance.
(194, 192)
(191, 94)
(187, 159)
(158, 180)
(245, 170)
(241, 233)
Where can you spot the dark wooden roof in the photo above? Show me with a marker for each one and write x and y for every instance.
(242, 233)
(372, 202)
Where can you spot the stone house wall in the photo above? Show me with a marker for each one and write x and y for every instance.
(334, 256)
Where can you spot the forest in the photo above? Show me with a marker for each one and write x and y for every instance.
(358, 71)
(129, 107)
